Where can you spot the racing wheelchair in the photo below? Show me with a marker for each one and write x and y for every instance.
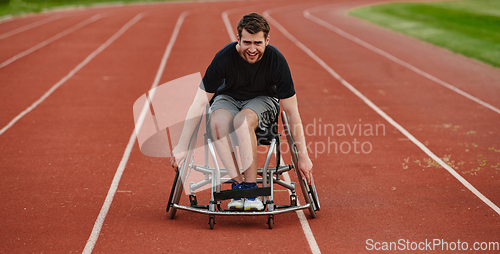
(214, 176)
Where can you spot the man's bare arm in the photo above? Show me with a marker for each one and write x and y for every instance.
(290, 106)
(194, 113)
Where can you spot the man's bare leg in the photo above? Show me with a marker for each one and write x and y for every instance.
(221, 122)
(245, 123)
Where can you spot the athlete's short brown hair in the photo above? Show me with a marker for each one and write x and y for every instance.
(253, 23)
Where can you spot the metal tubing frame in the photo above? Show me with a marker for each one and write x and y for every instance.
(216, 173)
(267, 177)
(237, 213)
(265, 173)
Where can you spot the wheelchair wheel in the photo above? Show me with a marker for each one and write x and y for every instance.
(176, 197)
(211, 222)
(270, 221)
(314, 195)
(171, 196)
(181, 176)
(308, 191)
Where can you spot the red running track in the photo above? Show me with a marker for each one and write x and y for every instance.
(59, 159)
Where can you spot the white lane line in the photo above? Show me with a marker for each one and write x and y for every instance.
(227, 23)
(71, 73)
(51, 39)
(121, 167)
(384, 115)
(355, 39)
(311, 240)
(29, 26)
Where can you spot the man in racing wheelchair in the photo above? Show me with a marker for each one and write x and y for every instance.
(244, 85)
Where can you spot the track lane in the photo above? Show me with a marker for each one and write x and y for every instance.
(50, 40)
(472, 118)
(408, 135)
(7, 33)
(15, 25)
(367, 196)
(116, 179)
(65, 156)
(347, 62)
(321, 22)
(463, 71)
(300, 213)
(188, 231)
(33, 75)
(23, 41)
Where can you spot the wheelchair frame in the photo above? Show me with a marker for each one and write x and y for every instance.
(268, 177)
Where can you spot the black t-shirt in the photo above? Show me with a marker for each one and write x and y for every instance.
(231, 75)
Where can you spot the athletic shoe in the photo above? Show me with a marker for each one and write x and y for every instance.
(252, 204)
(236, 203)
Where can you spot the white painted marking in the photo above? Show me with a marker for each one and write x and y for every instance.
(313, 245)
(121, 167)
(346, 35)
(51, 39)
(227, 23)
(384, 115)
(70, 74)
(29, 26)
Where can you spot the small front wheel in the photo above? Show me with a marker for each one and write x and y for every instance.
(270, 221)
(211, 222)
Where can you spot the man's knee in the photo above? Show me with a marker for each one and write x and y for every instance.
(221, 122)
(246, 118)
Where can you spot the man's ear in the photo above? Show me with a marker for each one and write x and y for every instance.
(238, 38)
(267, 40)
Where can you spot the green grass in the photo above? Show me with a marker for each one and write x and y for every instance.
(470, 28)
(18, 7)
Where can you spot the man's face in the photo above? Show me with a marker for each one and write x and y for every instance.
(252, 46)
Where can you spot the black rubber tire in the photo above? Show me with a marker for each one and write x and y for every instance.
(211, 222)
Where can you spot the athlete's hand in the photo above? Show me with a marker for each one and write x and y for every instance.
(178, 157)
(305, 168)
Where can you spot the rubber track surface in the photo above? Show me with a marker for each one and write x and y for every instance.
(57, 162)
